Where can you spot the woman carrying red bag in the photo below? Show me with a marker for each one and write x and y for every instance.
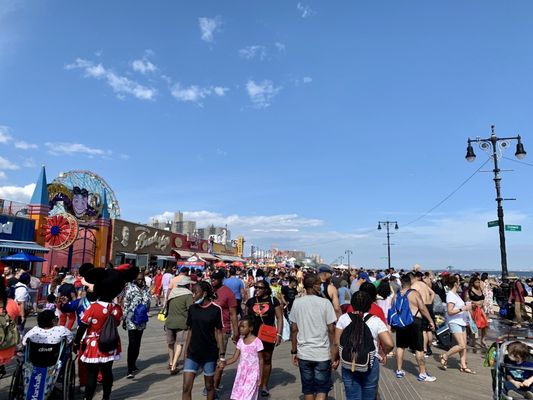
(476, 296)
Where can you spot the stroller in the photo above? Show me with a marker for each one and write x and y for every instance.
(496, 359)
(44, 367)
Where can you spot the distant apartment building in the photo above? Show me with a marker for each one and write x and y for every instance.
(216, 231)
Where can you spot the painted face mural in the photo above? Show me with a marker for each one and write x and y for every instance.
(80, 201)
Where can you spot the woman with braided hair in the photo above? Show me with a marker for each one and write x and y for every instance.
(362, 385)
(204, 344)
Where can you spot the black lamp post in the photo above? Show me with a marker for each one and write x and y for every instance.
(387, 226)
(495, 146)
(348, 252)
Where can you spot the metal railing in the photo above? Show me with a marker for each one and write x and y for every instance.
(14, 208)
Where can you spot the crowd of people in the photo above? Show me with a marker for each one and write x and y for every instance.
(353, 320)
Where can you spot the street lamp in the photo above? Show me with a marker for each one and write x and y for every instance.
(348, 252)
(387, 225)
(495, 146)
(341, 258)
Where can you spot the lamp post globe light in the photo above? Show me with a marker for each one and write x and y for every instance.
(387, 225)
(495, 146)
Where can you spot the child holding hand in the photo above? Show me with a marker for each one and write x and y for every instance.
(248, 378)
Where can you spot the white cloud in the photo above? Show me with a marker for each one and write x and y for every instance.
(305, 10)
(120, 84)
(250, 52)
(164, 217)
(195, 94)
(3, 176)
(221, 152)
(5, 136)
(143, 66)
(208, 27)
(58, 149)
(307, 79)
(280, 46)
(17, 193)
(25, 145)
(262, 93)
(6, 164)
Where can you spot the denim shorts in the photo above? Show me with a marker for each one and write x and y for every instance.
(315, 376)
(456, 328)
(209, 367)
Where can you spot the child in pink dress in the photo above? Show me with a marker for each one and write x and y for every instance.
(248, 378)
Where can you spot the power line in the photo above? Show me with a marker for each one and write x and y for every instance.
(518, 161)
(447, 197)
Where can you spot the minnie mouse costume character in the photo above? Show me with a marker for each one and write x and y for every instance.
(106, 284)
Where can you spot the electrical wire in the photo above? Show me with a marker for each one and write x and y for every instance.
(518, 161)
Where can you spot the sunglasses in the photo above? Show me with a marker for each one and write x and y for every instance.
(260, 287)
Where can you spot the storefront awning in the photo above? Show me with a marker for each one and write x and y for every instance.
(207, 256)
(168, 258)
(227, 258)
(18, 245)
(183, 253)
(130, 256)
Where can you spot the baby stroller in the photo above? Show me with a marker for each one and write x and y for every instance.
(45, 367)
(496, 358)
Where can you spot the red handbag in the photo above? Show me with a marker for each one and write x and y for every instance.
(480, 318)
(267, 333)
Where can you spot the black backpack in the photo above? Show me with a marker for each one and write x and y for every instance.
(109, 338)
(360, 358)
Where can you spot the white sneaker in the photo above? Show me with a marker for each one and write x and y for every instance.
(400, 373)
(426, 378)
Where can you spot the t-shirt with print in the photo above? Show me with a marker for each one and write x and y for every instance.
(203, 320)
(519, 374)
(263, 311)
(226, 300)
(375, 325)
(47, 336)
(313, 314)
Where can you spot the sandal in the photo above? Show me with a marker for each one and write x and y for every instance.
(264, 392)
(466, 370)
(443, 362)
(174, 371)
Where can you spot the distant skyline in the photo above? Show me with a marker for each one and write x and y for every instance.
(299, 124)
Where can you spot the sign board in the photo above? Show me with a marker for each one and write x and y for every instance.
(492, 224)
(513, 228)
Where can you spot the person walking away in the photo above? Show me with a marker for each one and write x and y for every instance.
(165, 283)
(179, 301)
(457, 317)
(312, 337)
(204, 339)
(237, 287)
(428, 295)
(136, 306)
(248, 378)
(357, 282)
(225, 299)
(477, 298)
(517, 296)
(67, 292)
(384, 297)
(487, 285)
(22, 297)
(34, 286)
(328, 290)
(344, 296)
(158, 287)
(268, 326)
(11, 312)
(358, 335)
(404, 317)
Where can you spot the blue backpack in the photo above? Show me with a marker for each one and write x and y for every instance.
(400, 314)
(140, 314)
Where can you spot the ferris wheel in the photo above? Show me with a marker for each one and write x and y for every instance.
(94, 185)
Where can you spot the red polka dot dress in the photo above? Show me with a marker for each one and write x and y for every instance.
(95, 317)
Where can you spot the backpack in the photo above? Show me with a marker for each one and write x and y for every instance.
(140, 314)
(357, 357)
(109, 338)
(9, 334)
(400, 314)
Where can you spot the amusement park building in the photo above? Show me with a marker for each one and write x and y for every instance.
(75, 219)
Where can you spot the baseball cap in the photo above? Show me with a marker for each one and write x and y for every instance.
(380, 275)
(218, 275)
(325, 268)
(364, 275)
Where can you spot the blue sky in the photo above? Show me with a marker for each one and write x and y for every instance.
(299, 124)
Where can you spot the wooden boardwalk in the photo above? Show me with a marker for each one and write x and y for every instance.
(154, 382)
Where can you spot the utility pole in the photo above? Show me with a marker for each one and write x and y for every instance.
(348, 252)
(387, 226)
